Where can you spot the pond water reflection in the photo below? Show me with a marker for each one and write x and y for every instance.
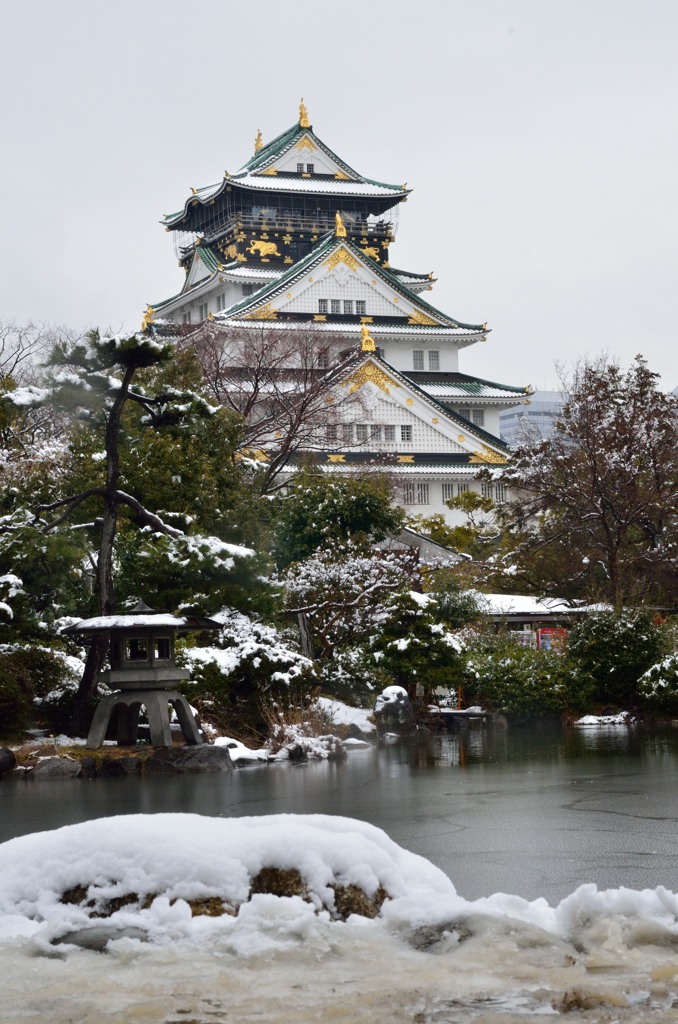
(534, 810)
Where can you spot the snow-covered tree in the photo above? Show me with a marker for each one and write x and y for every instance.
(94, 380)
(600, 495)
(344, 591)
(317, 509)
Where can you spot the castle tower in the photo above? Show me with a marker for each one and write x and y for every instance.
(297, 240)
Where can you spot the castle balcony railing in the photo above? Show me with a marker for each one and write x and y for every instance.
(271, 220)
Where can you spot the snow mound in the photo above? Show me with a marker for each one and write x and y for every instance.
(173, 876)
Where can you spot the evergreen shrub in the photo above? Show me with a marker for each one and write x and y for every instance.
(658, 687)
(29, 676)
(614, 651)
(504, 676)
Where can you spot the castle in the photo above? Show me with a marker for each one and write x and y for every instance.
(290, 259)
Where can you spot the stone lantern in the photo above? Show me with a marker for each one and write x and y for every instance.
(143, 673)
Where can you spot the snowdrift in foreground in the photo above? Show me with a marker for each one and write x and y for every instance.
(247, 884)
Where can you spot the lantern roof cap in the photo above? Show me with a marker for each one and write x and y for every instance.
(142, 617)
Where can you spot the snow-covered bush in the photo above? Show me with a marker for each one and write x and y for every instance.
(614, 651)
(501, 675)
(249, 662)
(35, 683)
(346, 593)
(353, 675)
(658, 687)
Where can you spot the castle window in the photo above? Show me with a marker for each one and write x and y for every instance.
(203, 310)
(335, 305)
(465, 414)
(310, 168)
(323, 358)
(415, 494)
(360, 307)
(478, 416)
(375, 432)
(185, 318)
(322, 305)
(347, 432)
(361, 431)
(331, 432)
(418, 359)
(221, 302)
(434, 360)
(248, 289)
(462, 489)
(348, 306)
(389, 432)
(300, 168)
(406, 432)
(448, 492)
(500, 493)
(487, 489)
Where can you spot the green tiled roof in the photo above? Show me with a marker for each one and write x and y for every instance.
(320, 252)
(266, 156)
(462, 381)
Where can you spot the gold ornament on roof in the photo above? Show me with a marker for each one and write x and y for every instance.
(366, 340)
(259, 141)
(341, 255)
(372, 374)
(266, 312)
(420, 319)
(488, 455)
(303, 115)
(339, 229)
(148, 318)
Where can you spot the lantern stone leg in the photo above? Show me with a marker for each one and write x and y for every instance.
(128, 704)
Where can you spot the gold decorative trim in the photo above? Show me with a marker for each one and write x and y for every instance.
(461, 438)
(342, 255)
(339, 228)
(434, 420)
(303, 115)
(420, 319)
(336, 458)
(410, 401)
(259, 141)
(266, 312)
(320, 318)
(305, 143)
(366, 319)
(270, 170)
(340, 176)
(372, 251)
(409, 459)
(370, 373)
(488, 455)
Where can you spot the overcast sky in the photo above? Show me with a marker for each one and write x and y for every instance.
(539, 137)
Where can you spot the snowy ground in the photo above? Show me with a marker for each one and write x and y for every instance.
(140, 887)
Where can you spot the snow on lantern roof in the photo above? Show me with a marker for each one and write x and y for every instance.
(141, 617)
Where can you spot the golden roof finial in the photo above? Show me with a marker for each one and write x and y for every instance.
(303, 115)
(258, 142)
(148, 318)
(366, 339)
(339, 229)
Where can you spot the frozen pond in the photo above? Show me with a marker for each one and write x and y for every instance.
(530, 811)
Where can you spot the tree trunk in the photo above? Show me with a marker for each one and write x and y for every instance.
(96, 655)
